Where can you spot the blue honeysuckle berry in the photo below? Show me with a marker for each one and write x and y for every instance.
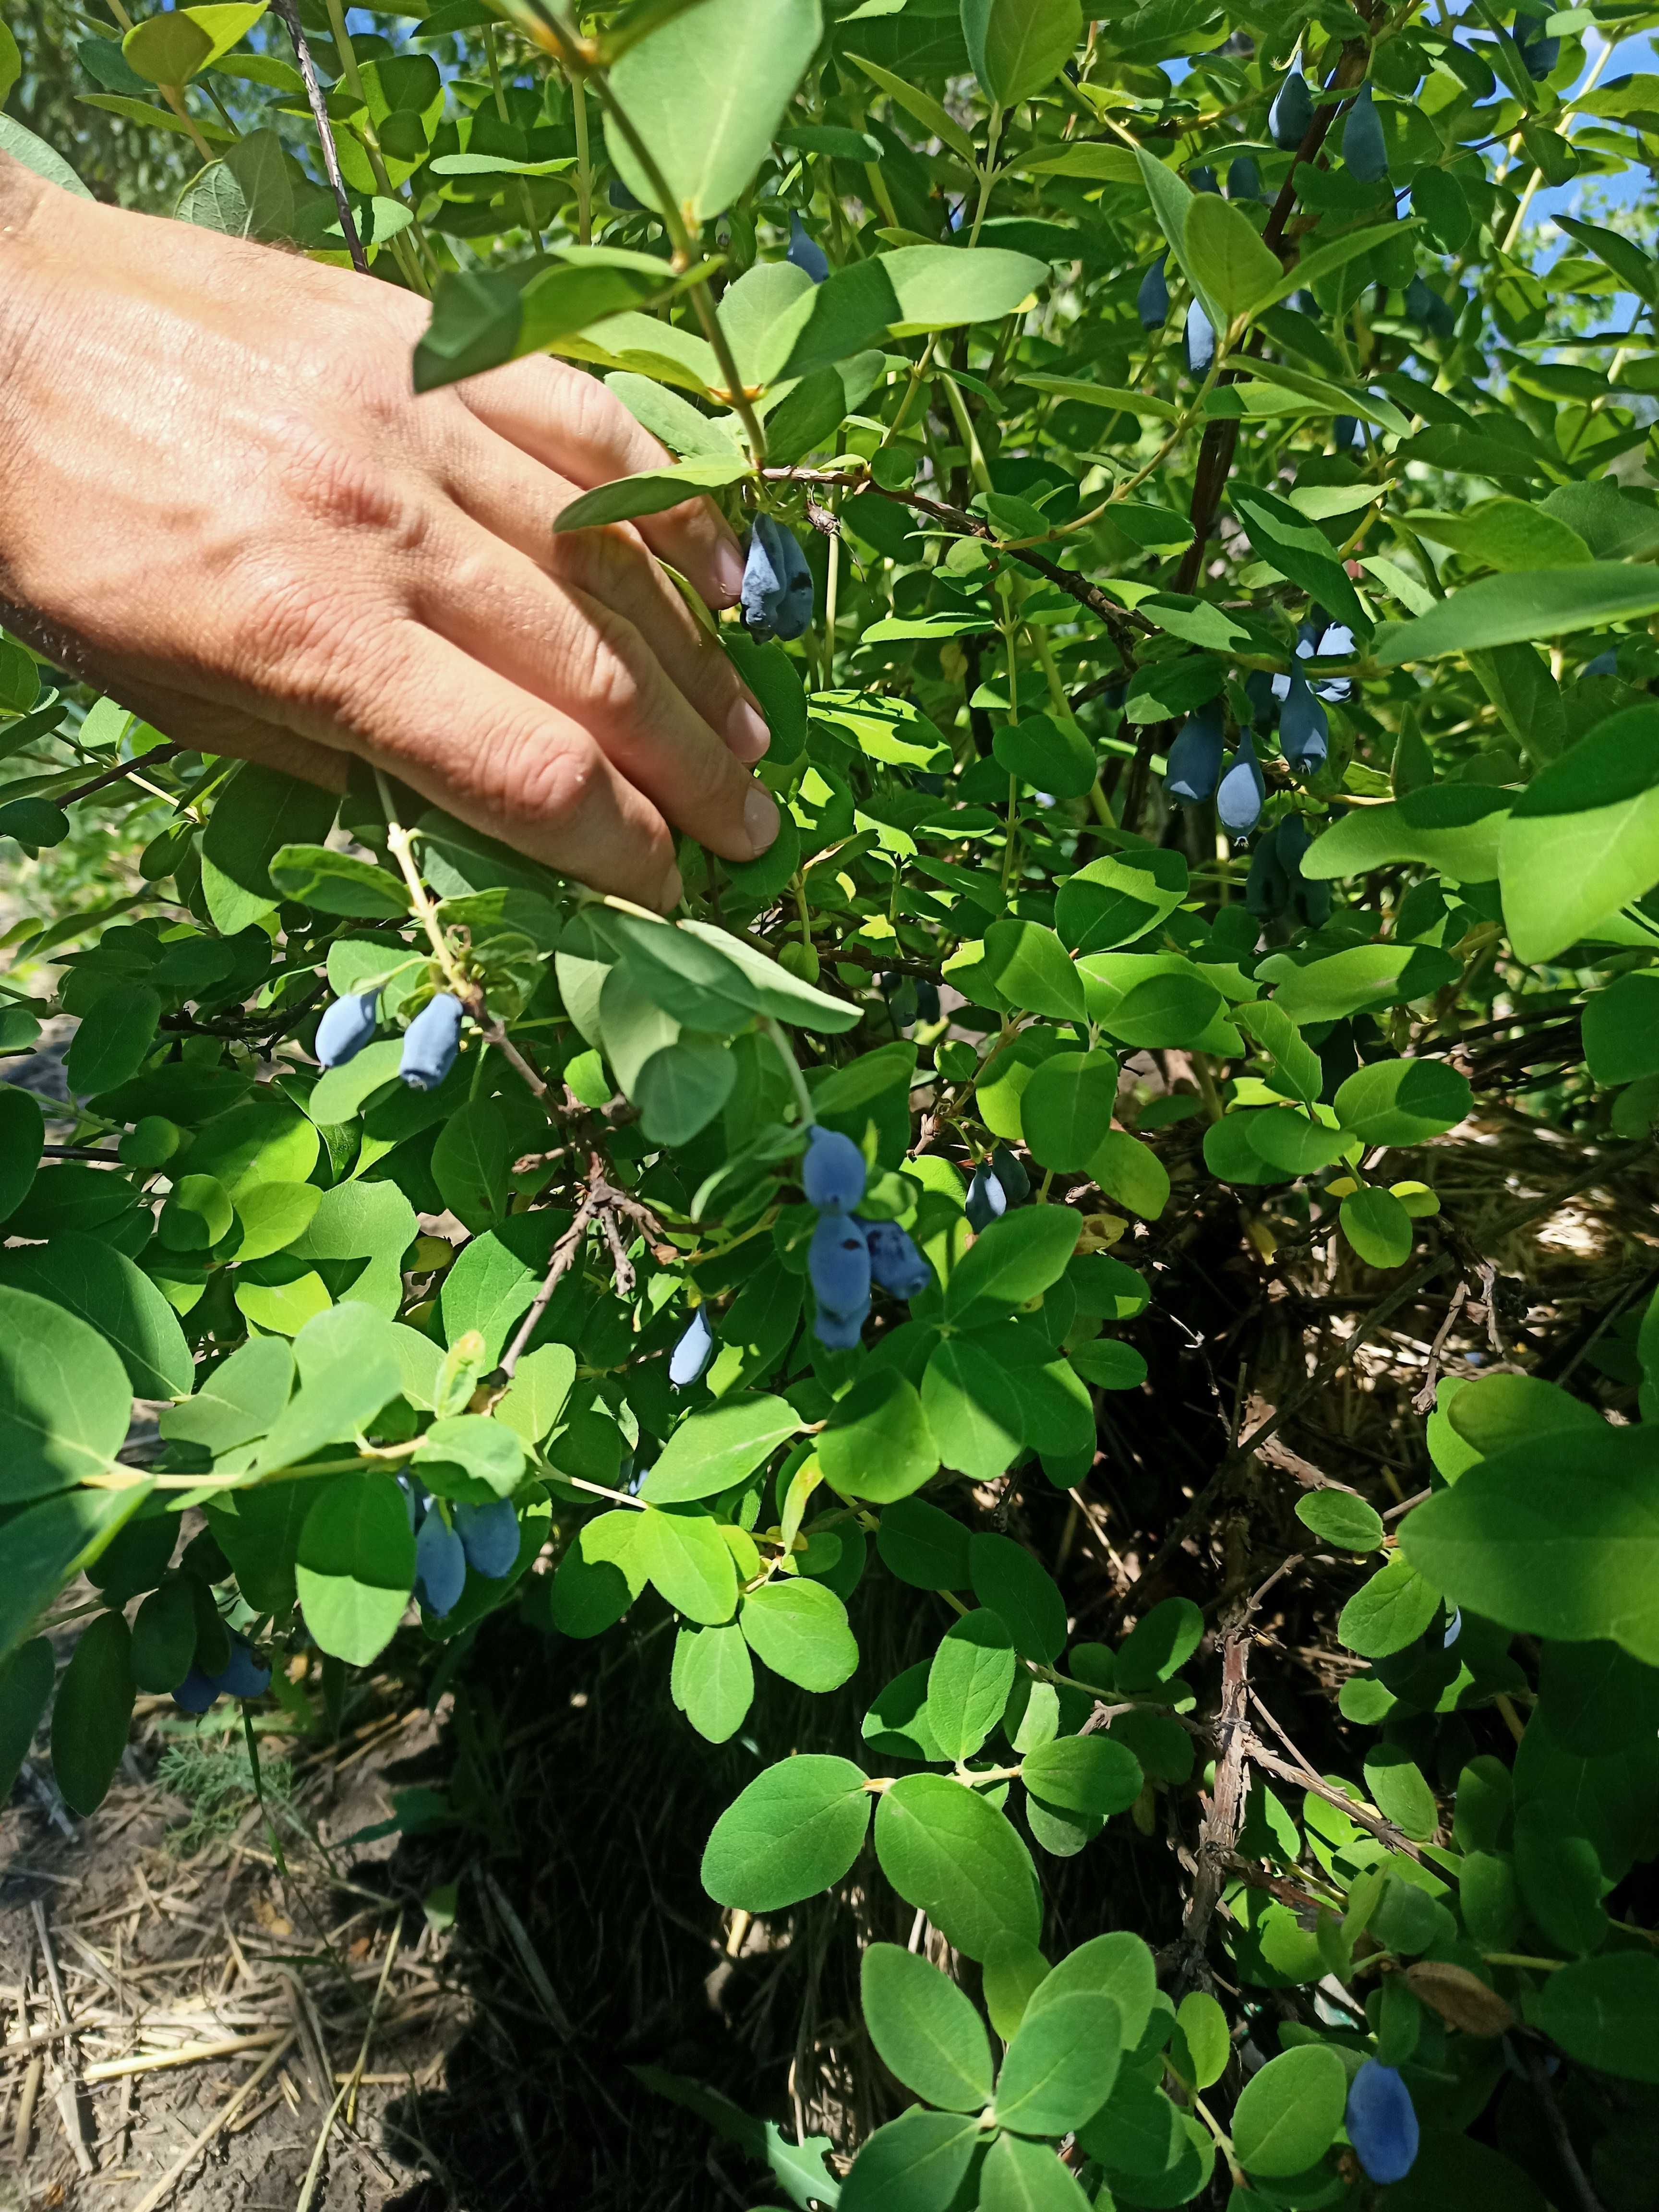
(1243, 179)
(1200, 339)
(1364, 150)
(1540, 57)
(1304, 730)
(1193, 768)
(244, 1676)
(1417, 300)
(1153, 300)
(692, 1354)
(1260, 690)
(987, 1202)
(1381, 2123)
(777, 584)
(1605, 663)
(431, 1042)
(838, 1264)
(1203, 179)
(1454, 1629)
(439, 1566)
(927, 1007)
(490, 1536)
(619, 197)
(1010, 1171)
(1334, 642)
(805, 251)
(1290, 116)
(346, 1027)
(1240, 791)
(895, 1263)
(840, 1332)
(1267, 888)
(1349, 433)
(833, 1173)
(196, 1693)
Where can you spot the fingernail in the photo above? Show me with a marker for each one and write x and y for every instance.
(746, 732)
(759, 818)
(728, 574)
(673, 891)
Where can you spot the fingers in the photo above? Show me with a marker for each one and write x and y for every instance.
(592, 665)
(495, 485)
(569, 422)
(208, 728)
(508, 763)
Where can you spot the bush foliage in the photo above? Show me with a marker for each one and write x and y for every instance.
(1228, 696)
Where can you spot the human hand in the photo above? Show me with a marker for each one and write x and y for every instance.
(221, 502)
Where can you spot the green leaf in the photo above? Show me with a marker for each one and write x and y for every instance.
(348, 1369)
(50, 1543)
(877, 1444)
(967, 1683)
(956, 1859)
(1582, 839)
(489, 1454)
(1027, 966)
(1084, 1774)
(274, 1215)
(33, 154)
(113, 1040)
(924, 2030)
(1172, 198)
(1507, 610)
(1015, 1259)
(1337, 1518)
(337, 883)
(1402, 1102)
(682, 1086)
(1061, 2065)
(973, 1412)
(937, 120)
(536, 1396)
(1301, 551)
(796, 1830)
(1620, 1029)
(1108, 1365)
(714, 1679)
(1228, 263)
(1388, 1611)
(1491, 1413)
(26, 1681)
(706, 92)
(245, 194)
(1288, 2113)
(1010, 1582)
(1363, 977)
(471, 1162)
(1164, 1010)
(102, 1287)
(600, 1575)
(1604, 2012)
(1505, 533)
(258, 811)
(1047, 755)
(22, 1132)
(713, 1451)
(356, 1569)
(1377, 1226)
(1132, 1173)
(1028, 2177)
(923, 1546)
(653, 490)
(1553, 1538)
(164, 1636)
(65, 1401)
(170, 48)
(1066, 1109)
(92, 1714)
(1019, 46)
(685, 1556)
(1201, 2025)
(916, 2163)
(799, 1629)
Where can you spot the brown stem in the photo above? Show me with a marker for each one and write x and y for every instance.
(289, 13)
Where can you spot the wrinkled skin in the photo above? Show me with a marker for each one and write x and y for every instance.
(221, 502)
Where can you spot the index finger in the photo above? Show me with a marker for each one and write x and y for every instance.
(569, 422)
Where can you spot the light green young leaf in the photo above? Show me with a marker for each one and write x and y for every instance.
(924, 2029)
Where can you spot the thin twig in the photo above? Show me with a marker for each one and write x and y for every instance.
(170, 2180)
(290, 15)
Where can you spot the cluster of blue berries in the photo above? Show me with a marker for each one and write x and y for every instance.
(482, 1537)
(430, 1042)
(777, 584)
(242, 1676)
(997, 1184)
(848, 1255)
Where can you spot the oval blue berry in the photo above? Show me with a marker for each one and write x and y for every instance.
(832, 1175)
(805, 251)
(1240, 792)
(1200, 341)
(439, 1566)
(1194, 767)
(490, 1536)
(1304, 729)
(987, 1202)
(895, 1263)
(1010, 1171)
(838, 1264)
(1381, 2123)
(839, 1332)
(431, 1042)
(692, 1354)
(195, 1694)
(1153, 300)
(243, 1676)
(346, 1028)
(1290, 116)
(1364, 151)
